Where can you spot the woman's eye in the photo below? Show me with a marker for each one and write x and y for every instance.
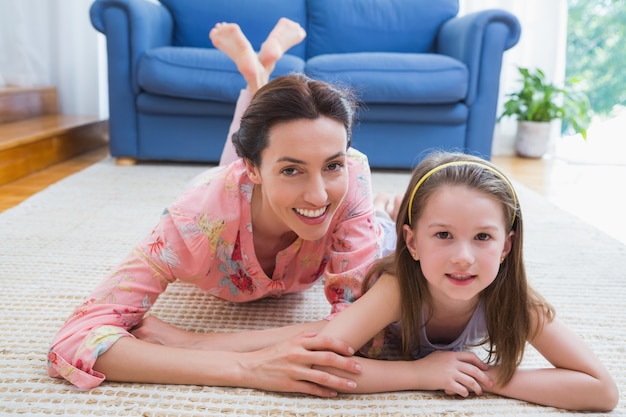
(290, 172)
(483, 236)
(335, 166)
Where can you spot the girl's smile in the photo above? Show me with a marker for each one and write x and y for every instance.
(461, 279)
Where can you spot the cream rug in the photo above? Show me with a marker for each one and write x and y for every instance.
(55, 246)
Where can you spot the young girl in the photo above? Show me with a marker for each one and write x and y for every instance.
(457, 281)
(294, 208)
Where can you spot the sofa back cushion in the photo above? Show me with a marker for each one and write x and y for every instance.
(199, 73)
(338, 26)
(394, 78)
(193, 19)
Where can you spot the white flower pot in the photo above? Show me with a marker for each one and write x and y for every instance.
(532, 139)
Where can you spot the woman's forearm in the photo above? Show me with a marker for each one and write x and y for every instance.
(251, 340)
(154, 330)
(288, 366)
(134, 360)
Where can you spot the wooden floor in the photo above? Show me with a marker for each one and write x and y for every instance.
(15, 192)
(594, 192)
(591, 191)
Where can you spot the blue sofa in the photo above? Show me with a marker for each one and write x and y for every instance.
(427, 78)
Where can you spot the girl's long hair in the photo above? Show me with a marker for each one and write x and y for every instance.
(509, 301)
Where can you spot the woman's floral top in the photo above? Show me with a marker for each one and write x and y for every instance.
(205, 238)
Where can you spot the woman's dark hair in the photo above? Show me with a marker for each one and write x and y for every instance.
(286, 98)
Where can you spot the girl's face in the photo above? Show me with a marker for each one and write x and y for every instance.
(303, 176)
(460, 240)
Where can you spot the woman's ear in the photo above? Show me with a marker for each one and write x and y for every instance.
(409, 238)
(252, 171)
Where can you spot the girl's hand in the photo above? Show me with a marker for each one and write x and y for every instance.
(288, 366)
(455, 372)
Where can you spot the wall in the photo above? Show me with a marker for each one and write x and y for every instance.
(52, 42)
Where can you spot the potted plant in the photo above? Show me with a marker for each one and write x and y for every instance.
(540, 102)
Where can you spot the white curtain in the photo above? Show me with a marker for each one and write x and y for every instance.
(52, 42)
(542, 45)
(21, 62)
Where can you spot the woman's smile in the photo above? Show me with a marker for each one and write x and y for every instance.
(311, 214)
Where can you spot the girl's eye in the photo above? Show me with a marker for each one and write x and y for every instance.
(483, 236)
(443, 235)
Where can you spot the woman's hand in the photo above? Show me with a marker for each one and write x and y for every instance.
(455, 373)
(288, 366)
(285, 366)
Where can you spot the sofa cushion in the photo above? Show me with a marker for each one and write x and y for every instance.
(385, 77)
(199, 73)
(193, 19)
(337, 26)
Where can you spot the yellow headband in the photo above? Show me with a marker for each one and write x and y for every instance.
(454, 163)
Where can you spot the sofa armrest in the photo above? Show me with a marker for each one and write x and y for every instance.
(479, 40)
(131, 27)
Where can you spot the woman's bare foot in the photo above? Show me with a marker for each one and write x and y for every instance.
(228, 38)
(383, 202)
(285, 34)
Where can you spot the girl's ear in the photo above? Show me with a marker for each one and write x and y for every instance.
(409, 238)
(508, 244)
(252, 171)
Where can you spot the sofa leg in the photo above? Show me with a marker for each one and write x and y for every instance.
(124, 161)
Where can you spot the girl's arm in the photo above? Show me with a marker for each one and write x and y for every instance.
(452, 372)
(578, 380)
(455, 373)
(368, 315)
(285, 366)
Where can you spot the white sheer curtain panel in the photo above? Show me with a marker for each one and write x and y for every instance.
(23, 32)
(542, 45)
(52, 43)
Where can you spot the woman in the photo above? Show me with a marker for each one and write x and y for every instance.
(295, 207)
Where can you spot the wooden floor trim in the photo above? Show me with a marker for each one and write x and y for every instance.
(52, 139)
(19, 103)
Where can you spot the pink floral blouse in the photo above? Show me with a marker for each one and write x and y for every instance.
(207, 241)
